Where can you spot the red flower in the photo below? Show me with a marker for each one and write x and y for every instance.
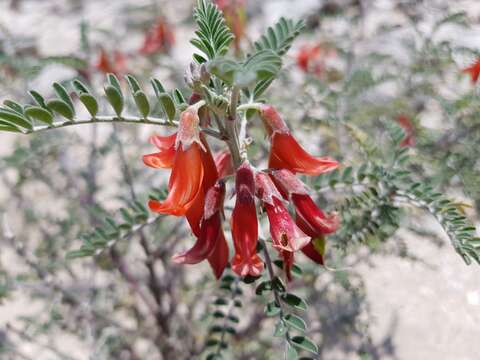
(288, 260)
(160, 38)
(117, 66)
(244, 225)
(473, 70)
(193, 170)
(310, 218)
(286, 236)
(210, 228)
(311, 59)
(224, 164)
(218, 259)
(286, 152)
(407, 126)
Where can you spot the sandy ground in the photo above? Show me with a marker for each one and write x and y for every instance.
(433, 311)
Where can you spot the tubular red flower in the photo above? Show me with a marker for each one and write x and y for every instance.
(160, 38)
(286, 152)
(117, 66)
(191, 164)
(210, 228)
(165, 157)
(224, 164)
(244, 225)
(473, 70)
(307, 211)
(285, 234)
(406, 123)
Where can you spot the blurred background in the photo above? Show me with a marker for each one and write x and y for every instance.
(403, 294)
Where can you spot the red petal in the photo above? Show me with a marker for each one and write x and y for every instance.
(287, 153)
(160, 160)
(224, 164)
(288, 259)
(285, 234)
(312, 253)
(194, 214)
(184, 184)
(205, 243)
(163, 142)
(245, 226)
(313, 216)
(218, 259)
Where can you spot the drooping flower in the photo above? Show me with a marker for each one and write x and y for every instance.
(210, 229)
(159, 38)
(218, 259)
(224, 164)
(309, 215)
(286, 236)
(286, 152)
(315, 249)
(244, 225)
(193, 170)
(406, 123)
(116, 65)
(473, 70)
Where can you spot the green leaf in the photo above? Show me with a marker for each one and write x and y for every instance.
(38, 99)
(291, 353)
(168, 105)
(272, 309)
(263, 286)
(90, 103)
(157, 87)
(280, 329)
(304, 343)
(223, 68)
(14, 119)
(263, 65)
(14, 106)
(294, 301)
(133, 84)
(60, 107)
(113, 80)
(9, 128)
(213, 35)
(279, 37)
(142, 103)
(115, 98)
(80, 87)
(63, 94)
(40, 114)
(295, 322)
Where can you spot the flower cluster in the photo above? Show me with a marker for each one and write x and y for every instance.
(197, 189)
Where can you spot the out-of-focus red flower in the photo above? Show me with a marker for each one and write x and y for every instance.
(310, 215)
(117, 64)
(223, 161)
(210, 229)
(159, 38)
(406, 123)
(193, 170)
(236, 18)
(286, 152)
(473, 70)
(244, 225)
(286, 236)
(311, 58)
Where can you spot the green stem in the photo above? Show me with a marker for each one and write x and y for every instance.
(105, 119)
